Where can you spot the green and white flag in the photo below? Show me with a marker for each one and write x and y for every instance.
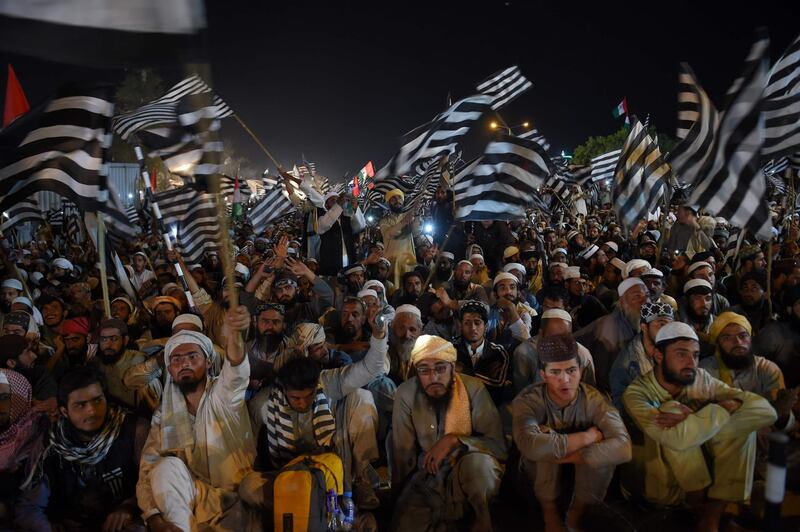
(621, 109)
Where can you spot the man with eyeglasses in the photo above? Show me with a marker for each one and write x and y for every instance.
(448, 441)
(113, 360)
(564, 421)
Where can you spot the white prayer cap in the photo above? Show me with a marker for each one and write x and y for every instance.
(629, 283)
(408, 309)
(674, 330)
(367, 292)
(573, 272)
(696, 266)
(374, 283)
(243, 270)
(634, 264)
(560, 264)
(165, 290)
(13, 283)
(62, 263)
(194, 267)
(653, 272)
(476, 256)
(188, 337)
(36, 277)
(24, 300)
(588, 252)
(329, 195)
(464, 261)
(557, 313)
(612, 245)
(559, 250)
(386, 261)
(504, 276)
(355, 268)
(190, 319)
(514, 266)
(701, 285)
(447, 255)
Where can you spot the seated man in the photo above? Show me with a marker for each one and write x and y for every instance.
(699, 433)
(636, 357)
(322, 409)
(476, 357)
(526, 363)
(350, 332)
(92, 463)
(200, 444)
(113, 360)
(308, 340)
(448, 443)
(270, 341)
(19, 354)
(564, 421)
(406, 328)
(509, 319)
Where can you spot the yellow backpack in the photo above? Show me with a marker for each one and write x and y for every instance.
(300, 492)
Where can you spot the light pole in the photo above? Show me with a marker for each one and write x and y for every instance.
(498, 125)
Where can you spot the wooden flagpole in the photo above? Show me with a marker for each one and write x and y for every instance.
(260, 144)
(101, 250)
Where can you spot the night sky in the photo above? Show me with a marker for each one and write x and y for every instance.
(341, 83)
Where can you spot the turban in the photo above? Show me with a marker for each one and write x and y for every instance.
(62, 263)
(629, 283)
(558, 348)
(573, 272)
(510, 251)
(24, 301)
(13, 283)
(514, 266)
(675, 330)
(634, 264)
(725, 319)
(75, 326)
(242, 270)
(504, 276)
(748, 252)
(188, 337)
(435, 347)
(447, 255)
(395, 192)
(652, 311)
(307, 334)
(557, 314)
(367, 292)
(188, 319)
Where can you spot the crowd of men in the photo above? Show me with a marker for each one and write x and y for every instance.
(556, 356)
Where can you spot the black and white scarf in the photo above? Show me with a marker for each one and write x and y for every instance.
(93, 452)
(280, 428)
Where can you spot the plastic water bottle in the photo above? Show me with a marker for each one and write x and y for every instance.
(349, 511)
(334, 513)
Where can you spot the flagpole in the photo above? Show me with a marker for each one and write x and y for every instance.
(260, 144)
(101, 250)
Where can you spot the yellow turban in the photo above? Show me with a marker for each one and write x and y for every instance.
(725, 319)
(434, 347)
(395, 192)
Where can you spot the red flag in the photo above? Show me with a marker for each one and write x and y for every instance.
(16, 103)
(356, 190)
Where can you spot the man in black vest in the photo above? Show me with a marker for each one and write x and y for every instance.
(337, 234)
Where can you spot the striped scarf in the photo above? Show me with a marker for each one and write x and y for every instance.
(280, 429)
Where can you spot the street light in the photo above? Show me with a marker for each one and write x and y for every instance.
(493, 125)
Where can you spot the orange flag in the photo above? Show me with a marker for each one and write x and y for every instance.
(16, 103)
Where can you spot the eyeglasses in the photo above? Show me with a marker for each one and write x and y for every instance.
(180, 360)
(426, 371)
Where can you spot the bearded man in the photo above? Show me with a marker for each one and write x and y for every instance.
(398, 235)
(463, 288)
(448, 441)
(270, 342)
(406, 328)
(509, 319)
(444, 269)
(114, 359)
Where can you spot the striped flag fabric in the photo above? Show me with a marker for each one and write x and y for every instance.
(199, 229)
(133, 215)
(640, 177)
(776, 166)
(227, 187)
(25, 211)
(603, 166)
(439, 137)
(698, 120)
(59, 146)
(503, 183)
(275, 204)
(162, 112)
(777, 184)
(735, 187)
(561, 188)
(504, 86)
(534, 135)
(782, 105)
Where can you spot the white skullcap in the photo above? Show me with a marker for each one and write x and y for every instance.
(695, 283)
(573, 272)
(355, 268)
(385, 260)
(653, 272)
(561, 264)
(243, 270)
(408, 309)
(188, 337)
(588, 252)
(557, 313)
(696, 266)
(447, 255)
(329, 195)
(167, 287)
(504, 276)
(514, 266)
(36, 277)
(13, 283)
(62, 263)
(559, 250)
(367, 292)
(24, 300)
(629, 283)
(191, 319)
(634, 264)
(476, 256)
(676, 329)
(463, 261)
(194, 267)
(612, 245)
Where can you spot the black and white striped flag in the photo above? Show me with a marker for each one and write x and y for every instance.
(603, 166)
(776, 166)
(163, 111)
(503, 183)
(735, 187)
(697, 124)
(227, 185)
(133, 215)
(534, 135)
(640, 177)
(272, 206)
(561, 188)
(25, 211)
(58, 146)
(782, 105)
(198, 229)
(439, 137)
(504, 86)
